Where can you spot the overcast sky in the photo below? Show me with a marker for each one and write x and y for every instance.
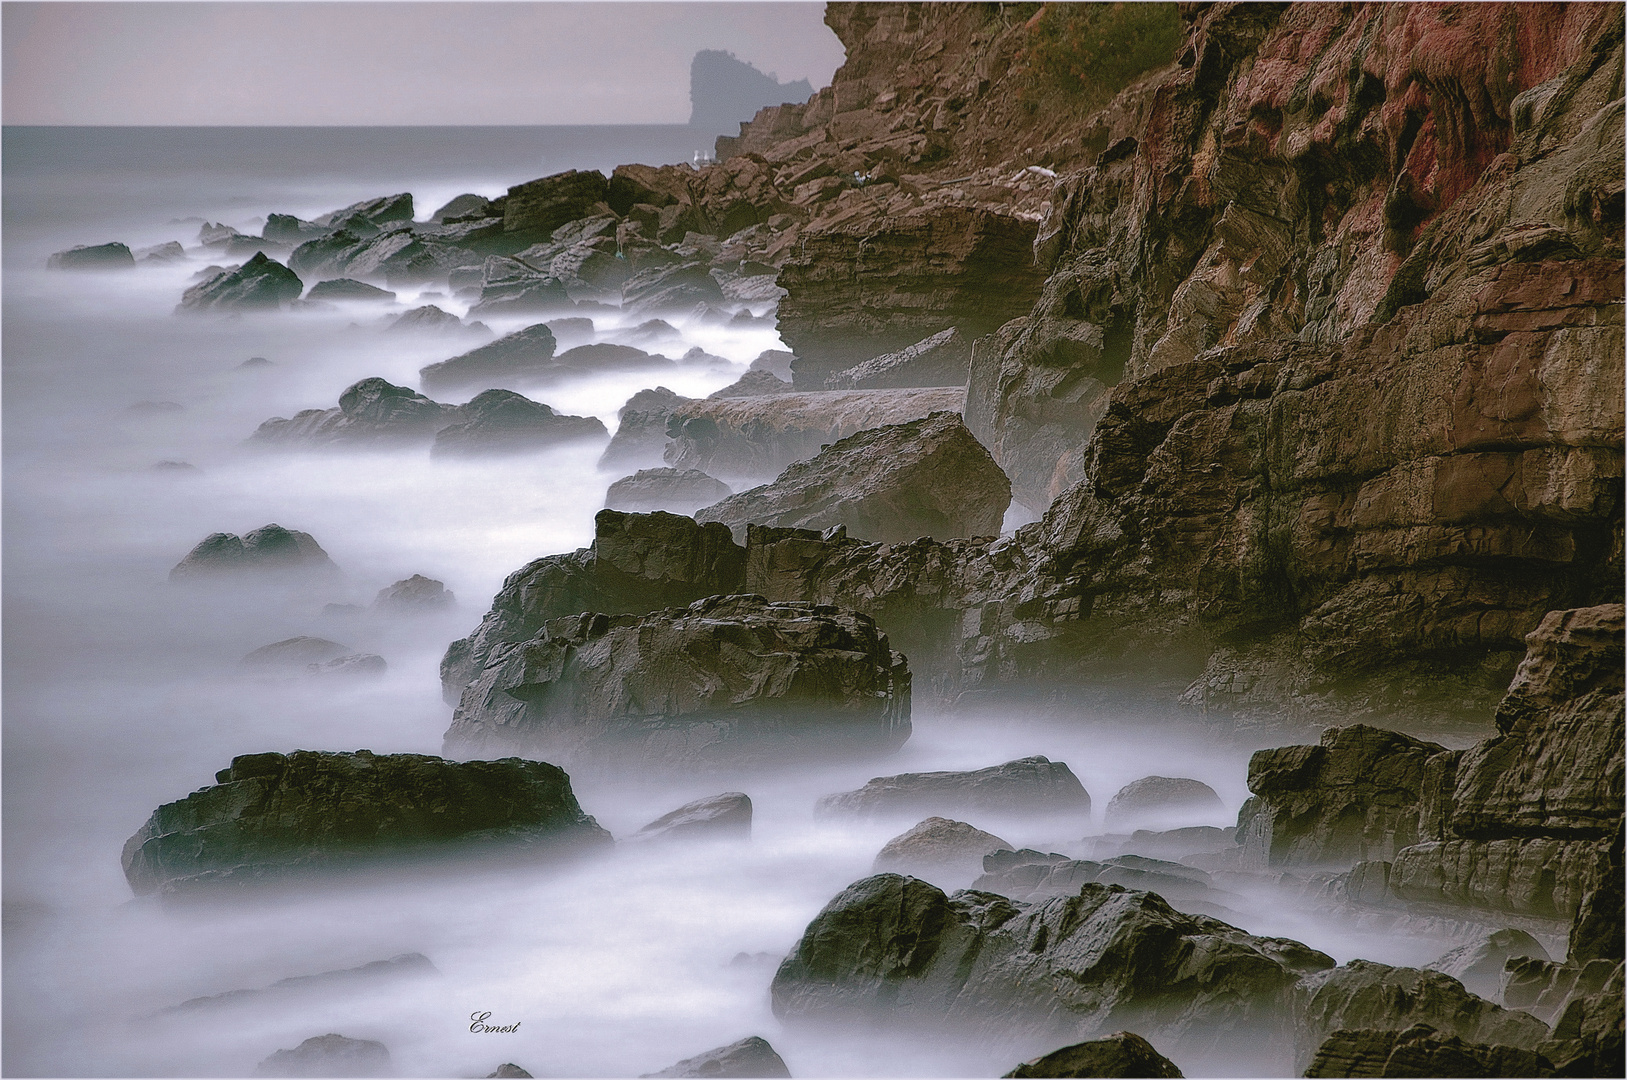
(388, 63)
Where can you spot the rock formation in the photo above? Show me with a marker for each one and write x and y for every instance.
(258, 285)
(943, 359)
(329, 1055)
(503, 422)
(1123, 1053)
(938, 846)
(1033, 785)
(1162, 799)
(414, 595)
(679, 491)
(114, 256)
(270, 548)
(750, 1057)
(725, 815)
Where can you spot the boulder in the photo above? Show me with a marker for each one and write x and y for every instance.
(1031, 785)
(348, 289)
(1420, 1050)
(295, 652)
(114, 256)
(750, 1057)
(512, 357)
(270, 548)
(508, 1071)
(370, 215)
(680, 491)
(944, 359)
(727, 815)
(429, 318)
(1123, 1053)
(1163, 800)
(371, 412)
(329, 1055)
(759, 436)
(513, 286)
(641, 434)
(535, 209)
(896, 951)
(753, 384)
(503, 422)
(1479, 965)
(414, 595)
(927, 477)
(288, 229)
(168, 252)
(938, 846)
(258, 285)
(272, 816)
(727, 679)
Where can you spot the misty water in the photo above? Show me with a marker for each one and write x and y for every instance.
(123, 692)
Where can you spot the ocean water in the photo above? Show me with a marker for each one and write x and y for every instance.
(122, 692)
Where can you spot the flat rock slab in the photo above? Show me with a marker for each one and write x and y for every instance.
(1032, 785)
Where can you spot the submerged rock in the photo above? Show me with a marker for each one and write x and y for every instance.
(728, 814)
(114, 256)
(348, 289)
(892, 484)
(411, 596)
(329, 1055)
(403, 964)
(258, 285)
(503, 422)
(1123, 1053)
(295, 652)
(728, 678)
(271, 816)
(679, 491)
(514, 356)
(1031, 785)
(750, 1057)
(1163, 800)
(268, 548)
(351, 665)
(938, 845)
(370, 412)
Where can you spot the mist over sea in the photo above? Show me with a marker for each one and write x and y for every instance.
(122, 692)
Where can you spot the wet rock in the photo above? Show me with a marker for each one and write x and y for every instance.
(535, 209)
(679, 491)
(1420, 1050)
(750, 1057)
(295, 652)
(329, 1055)
(290, 230)
(729, 678)
(753, 384)
(928, 477)
(370, 412)
(431, 319)
(941, 360)
(520, 355)
(1032, 875)
(401, 965)
(938, 846)
(370, 215)
(271, 816)
(896, 950)
(114, 256)
(1163, 800)
(348, 289)
(503, 422)
(1031, 785)
(513, 286)
(168, 252)
(728, 815)
(269, 548)
(258, 285)
(1123, 1053)
(641, 434)
(1479, 965)
(759, 436)
(414, 595)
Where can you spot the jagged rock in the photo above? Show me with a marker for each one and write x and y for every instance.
(428, 318)
(348, 289)
(679, 491)
(535, 209)
(508, 1070)
(759, 436)
(1420, 1050)
(370, 215)
(295, 652)
(462, 206)
(1588, 1035)
(1031, 785)
(512, 286)
(728, 678)
(503, 422)
(329, 1055)
(168, 252)
(1163, 800)
(928, 477)
(414, 595)
(270, 816)
(750, 1057)
(402, 964)
(268, 548)
(728, 814)
(637, 563)
(215, 235)
(938, 845)
(1479, 965)
(288, 229)
(1123, 1053)
(943, 359)
(259, 284)
(677, 287)
(753, 384)
(114, 256)
(522, 354)
(366, 665)
(641, 434)
(1362, 995)
(370, 412)
(898, 950)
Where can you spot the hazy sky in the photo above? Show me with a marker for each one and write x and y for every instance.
(388, 63)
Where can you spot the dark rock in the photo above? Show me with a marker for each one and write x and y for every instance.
(641, 434)
(571, 329)
(348, 289)
(274, 815)
(370, 215)
(1163, 800)
(268, 548)
(523, 354)
(728, 678)
(1031, 875)
(928, 477)
(169, 252)
(752, 384)
(366, 665)
(330, 253)
(288, 229)
(943, 359)
(679, 491)
(503, 422)
(776, 362)
(750, 1057)
(536, 209)
(604, 356)
(370, 412)
(678, 287)
(508, 1070)
(329, 1055)
(1031, 785)
(295, 652)
(897, 951)
(938, 846)
(511, 285)
(404, 964)
(411, 596)
(1420, 1050)
(240, 246)
(727, 815)
(1121, 1054)
(462, 206)
(1479, 965)
(258, 285)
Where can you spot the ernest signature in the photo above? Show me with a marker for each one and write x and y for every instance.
(479, 1025)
